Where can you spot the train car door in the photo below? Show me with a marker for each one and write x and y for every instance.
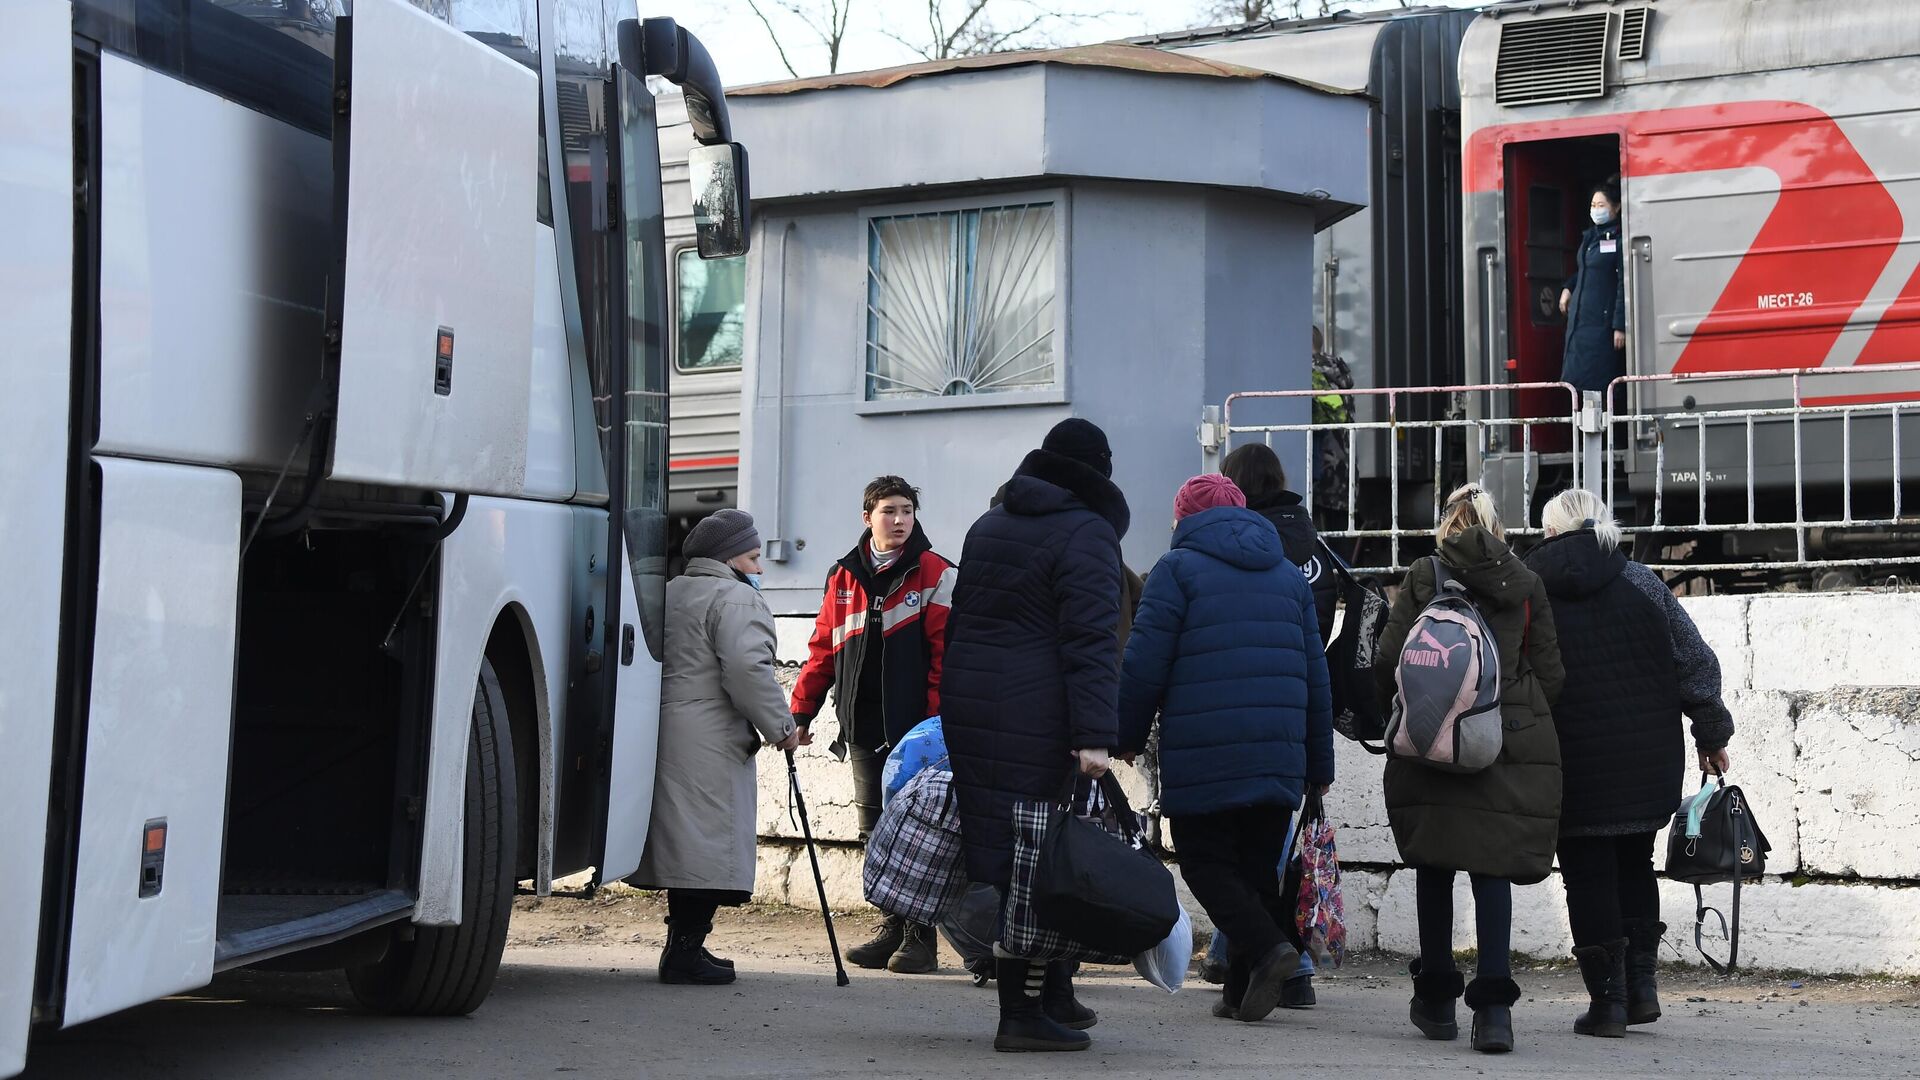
(1547, 186)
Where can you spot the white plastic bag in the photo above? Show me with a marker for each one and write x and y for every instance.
(1165, 965)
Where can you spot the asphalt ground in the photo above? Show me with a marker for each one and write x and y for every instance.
(577, 997)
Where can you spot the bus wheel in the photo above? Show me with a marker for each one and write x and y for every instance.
(448, 970)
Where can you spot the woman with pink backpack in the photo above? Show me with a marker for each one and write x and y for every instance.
(1464, 792)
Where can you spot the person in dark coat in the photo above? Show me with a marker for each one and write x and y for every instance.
(1255, 469)
(1031, 683)
(1595, 300)
(1499, 824)
(1635, 664)
(1226, 652)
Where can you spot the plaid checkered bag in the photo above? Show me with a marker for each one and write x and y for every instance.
(914, 867)
(1024, 935)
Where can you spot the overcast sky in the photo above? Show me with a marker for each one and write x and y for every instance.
(745, 53)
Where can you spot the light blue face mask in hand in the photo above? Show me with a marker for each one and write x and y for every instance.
(753, 580)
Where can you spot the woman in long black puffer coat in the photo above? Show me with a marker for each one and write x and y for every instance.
(1635, 663)
(1030, 687)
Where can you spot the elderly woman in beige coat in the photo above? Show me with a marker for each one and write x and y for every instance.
(719, 699)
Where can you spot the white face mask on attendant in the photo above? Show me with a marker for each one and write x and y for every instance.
(1601, 215)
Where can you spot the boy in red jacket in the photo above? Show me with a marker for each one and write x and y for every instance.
(877, 648)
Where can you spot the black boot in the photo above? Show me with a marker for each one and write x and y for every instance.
(877, 950)
(919, 951)
(1266, 981)
(1604, 969)
(716, 961)
(1432, 1007)
(1232, 988)
(1298, 993)
(1024, 1023)
(684, 963)
(1491, 1000)
(1057, 1000)
(1643, 958)
(1213, 970)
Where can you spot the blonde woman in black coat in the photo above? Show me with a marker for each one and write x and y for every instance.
(1635, 665)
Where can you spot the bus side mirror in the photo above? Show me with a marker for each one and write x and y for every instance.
(717, 177)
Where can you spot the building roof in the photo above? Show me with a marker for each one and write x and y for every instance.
(1116, 57)
(1101, 113)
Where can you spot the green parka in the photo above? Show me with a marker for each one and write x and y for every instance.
(1502, 821)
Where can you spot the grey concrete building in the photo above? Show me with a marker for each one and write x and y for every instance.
(949, 258)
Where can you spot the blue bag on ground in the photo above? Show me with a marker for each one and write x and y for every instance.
(925, 745)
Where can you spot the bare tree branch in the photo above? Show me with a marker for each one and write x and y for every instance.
(775, 35)
(826, 21)
(946, 45)
(975, 27)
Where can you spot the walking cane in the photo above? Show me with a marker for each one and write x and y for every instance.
(819, 883)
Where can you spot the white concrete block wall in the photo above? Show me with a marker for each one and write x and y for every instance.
(1858, 776)
(1825, 693)
(1818, 642)
(1722, 621)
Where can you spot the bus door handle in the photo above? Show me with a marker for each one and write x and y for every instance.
(626, 645)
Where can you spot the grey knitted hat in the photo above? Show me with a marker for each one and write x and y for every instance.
(721, 535)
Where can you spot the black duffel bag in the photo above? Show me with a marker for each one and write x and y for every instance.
(1102, 890)
(1352, 655)
(1715, 840)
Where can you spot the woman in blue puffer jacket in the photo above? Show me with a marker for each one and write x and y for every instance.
(1226, 650)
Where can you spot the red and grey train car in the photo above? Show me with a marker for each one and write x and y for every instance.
(1769, 154)
(1769, 158)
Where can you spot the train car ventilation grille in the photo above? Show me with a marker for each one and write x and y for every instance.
(1546, 60)
(1633, 33)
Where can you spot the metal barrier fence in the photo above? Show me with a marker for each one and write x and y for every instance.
(1795, 412)
(1603, 448)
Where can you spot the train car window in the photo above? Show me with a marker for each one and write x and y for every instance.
(710, 312)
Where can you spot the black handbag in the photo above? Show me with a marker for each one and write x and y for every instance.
(1352, 655)
(1099, 889)
(1715, 839)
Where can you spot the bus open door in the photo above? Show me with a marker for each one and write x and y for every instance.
(36, 308)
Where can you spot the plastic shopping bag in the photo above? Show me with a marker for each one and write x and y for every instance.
(1322, 915)
(1165, 965)
(925, 745)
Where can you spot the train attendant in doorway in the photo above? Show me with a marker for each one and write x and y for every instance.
(877, 648)
(1595, 299)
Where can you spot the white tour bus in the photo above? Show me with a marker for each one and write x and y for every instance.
(333, 480)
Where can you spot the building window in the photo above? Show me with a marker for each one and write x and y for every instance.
(963, 302)
(712, 312)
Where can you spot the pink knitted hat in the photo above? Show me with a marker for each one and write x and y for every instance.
(1205, 492)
